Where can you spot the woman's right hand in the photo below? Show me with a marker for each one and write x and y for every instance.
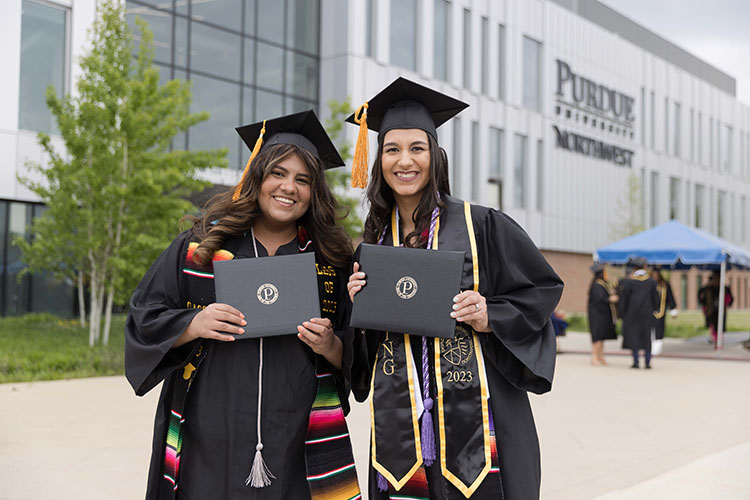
(356, 282)
(211, 322)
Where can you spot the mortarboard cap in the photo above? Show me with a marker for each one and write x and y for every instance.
(597, 268)
(637, 262)
(301, 129)
(401, 105)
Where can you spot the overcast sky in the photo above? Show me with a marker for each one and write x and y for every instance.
(717, 31)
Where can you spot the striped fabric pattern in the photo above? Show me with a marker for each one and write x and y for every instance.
(331, 473)
(193, 269)
(173, 448)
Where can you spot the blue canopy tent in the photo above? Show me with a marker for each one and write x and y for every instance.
(677, 246)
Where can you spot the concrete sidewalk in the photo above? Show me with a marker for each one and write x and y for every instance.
(681, 430)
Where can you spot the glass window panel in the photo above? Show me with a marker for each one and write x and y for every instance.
(159, 22)
(654, 199)
(250, 8)
(519, 171)
(467, 49)
(456, 172)
(214, 51)
(296, 105)
(726, 147)
(531, 73)
(303, 26)
(269, 66)
(226, 13)
(476, 180)
(268, 105)
(180, 140)
(540, 175)
(181, 6)
(371, 27)
(501, 61)
(248, 108)
(720, 209)
(162, 4)
(50, 294)
(404, 33)
(16, 299)
(302, 75)
(271, 12)
(440, 64)
(677, 129)
(496, 146)
(674, 198)
(249, 66)
(222, 101)
(485, 55)
(43, 49)
(181, 42)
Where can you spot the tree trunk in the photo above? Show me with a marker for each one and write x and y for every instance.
(118, 239)
(81, 300)
(94, 299)
(108, 311)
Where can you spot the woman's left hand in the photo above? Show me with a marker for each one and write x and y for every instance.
(471, 308)
(318, 334)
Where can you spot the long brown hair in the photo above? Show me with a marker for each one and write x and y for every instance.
(381, 198)
(224, 218)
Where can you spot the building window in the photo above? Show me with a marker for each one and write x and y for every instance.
(700, 138)
(457, 140)
(496, 146)
(540, 175)
(442, 39)
(467, 77)
(643, 117)
(519, 170)
(532, 57)
(476, 178)
(44, 48)
(653, 121)
(743, 219)
(371, 28)
(485, 55)
(677, 129)
(721, 200)
(500, 61)
(674, 198)
(404, 34)
(683, 290)
(727, 137)
(654, 200)
(710, 143)
(666, 125)
(247, 61)
(699, 222)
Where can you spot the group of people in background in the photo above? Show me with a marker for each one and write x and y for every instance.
(641, 299)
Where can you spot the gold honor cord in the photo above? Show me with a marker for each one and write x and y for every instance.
(662, 288)
(467, 490)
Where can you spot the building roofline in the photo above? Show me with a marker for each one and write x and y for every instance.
(611, 20)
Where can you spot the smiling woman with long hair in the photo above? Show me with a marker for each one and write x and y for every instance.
(222, 428)
(476, 438)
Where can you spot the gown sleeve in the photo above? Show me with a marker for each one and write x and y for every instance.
(671, 303)
(522, 292)
(157, 317)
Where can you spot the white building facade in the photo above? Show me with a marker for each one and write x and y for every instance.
(569, 102)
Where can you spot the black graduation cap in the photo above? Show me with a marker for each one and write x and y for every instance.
(302, 129)
(597, 268)
(401, 105)
(637, 262)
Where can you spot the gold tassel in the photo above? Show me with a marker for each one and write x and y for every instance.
(255, 152)
(359, 165)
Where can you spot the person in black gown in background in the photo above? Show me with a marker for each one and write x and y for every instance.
(637, 304)
(602, 313)
(666, 303)
(708, 298)
(504, 343)
(208, 440)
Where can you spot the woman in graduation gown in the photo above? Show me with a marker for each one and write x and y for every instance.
(450, 418)
(666, 303)
(602, 313)
(233, 416)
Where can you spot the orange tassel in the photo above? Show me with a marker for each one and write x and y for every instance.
(256, 150)
(359, 165)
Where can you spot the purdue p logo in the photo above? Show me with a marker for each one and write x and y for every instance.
(406, 287)
(267, 293)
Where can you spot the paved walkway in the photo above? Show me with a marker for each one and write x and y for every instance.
(681, 430)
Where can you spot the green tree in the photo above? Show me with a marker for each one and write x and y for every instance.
(339, 178)
(629, 210)
(114, 194)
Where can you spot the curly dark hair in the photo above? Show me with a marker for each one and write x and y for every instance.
(234, 218)
(381, 199)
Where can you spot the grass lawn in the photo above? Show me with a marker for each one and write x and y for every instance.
(687, 323)
(46, 347)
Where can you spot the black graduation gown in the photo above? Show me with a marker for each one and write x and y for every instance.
(667, 298)
(638, 301)
(221, 409)
(708, 297)
(601, 322)
(522, 292)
